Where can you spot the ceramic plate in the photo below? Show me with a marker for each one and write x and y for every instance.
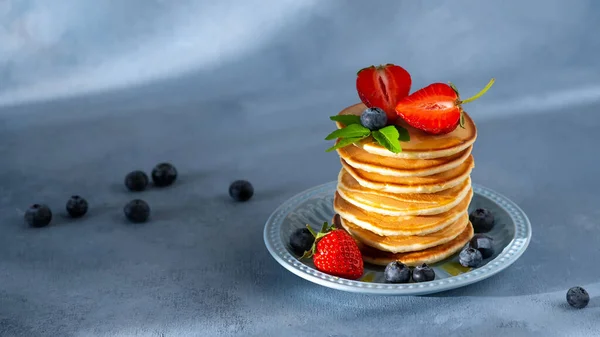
(511, 235)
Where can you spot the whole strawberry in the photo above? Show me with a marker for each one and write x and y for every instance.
(335, 253)
(382, 87)
(435, 109)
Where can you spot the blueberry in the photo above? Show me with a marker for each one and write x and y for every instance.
(397, 272)
(423, 273)
(373, 119)
(241, 190)
(484, 244)
(136, 181)
(38, 216)
(77, 206)
(577, 297)
(301, 241)
(482, 220)
(470, 257)
(137, 211)
(164, 174)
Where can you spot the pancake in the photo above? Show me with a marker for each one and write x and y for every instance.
(399, 167)
(406, 243)
(429, 256)
(421, 144)
(428, 184)
(399, 225)
(349, 185)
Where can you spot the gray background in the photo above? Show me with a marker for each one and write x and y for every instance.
(90, 90)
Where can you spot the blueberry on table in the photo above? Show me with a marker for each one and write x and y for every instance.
(164, 174)
(397, 272)
(577, 297)
(301, 241)
(137, 211)
(38, 216)
(484, 244)
(482, 220)
(136, 181)
(470, 257)
(423, 273)
(77, 206)
(241, 190)
(373, 119)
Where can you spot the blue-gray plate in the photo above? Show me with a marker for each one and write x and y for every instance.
(511, 235)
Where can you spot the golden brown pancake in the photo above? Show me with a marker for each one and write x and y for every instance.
(406, 243)
(429, 256)
(399, 225)
(428, 184)
(421, 144)
(400, 167)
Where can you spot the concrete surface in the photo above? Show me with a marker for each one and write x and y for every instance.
(199, 267)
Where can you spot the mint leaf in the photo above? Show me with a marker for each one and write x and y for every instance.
(345, 141)
(403, 134)
(388, 138)
(351, 131)
(346, 119)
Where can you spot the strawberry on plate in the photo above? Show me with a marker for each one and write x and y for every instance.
(335, 253)
(382, 87)
(435, 109)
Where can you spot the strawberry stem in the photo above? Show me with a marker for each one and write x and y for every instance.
(479, 94)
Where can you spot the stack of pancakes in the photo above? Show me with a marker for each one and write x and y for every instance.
(411, 206)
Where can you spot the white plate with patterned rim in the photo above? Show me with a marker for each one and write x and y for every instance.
(511, 235)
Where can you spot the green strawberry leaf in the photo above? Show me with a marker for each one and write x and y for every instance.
(350, 131)
(345, 142)
(462, 120)
(403, 134)
(346, 119)
(388, 138)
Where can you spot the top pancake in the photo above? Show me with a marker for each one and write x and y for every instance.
(421, 145)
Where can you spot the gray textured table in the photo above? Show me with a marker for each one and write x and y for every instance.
(199, 267)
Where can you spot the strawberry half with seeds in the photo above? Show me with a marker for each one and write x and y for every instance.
(436, 109)
(335, 253)
(382, 87)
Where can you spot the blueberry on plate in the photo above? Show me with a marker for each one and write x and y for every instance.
(301, 241)
(373, 119)
(137, 211)
(423, 273)
(484, 244)
(77, 206)
(164, 174)
(397, 272)
(241, 190)
(470, 257)
(136, 181)
(577, 297)
(38, 216)
(482, 220)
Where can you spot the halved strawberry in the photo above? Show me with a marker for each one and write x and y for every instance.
(435, 109)
(382, 87)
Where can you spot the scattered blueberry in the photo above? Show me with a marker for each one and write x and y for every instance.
(136, 181)
(301, 241)
(241, 190)
(423, 273)
(373, 119)
(470, 257)
(484, 244)
(577, 297)
(164, 174)
(137, 211)
(77, 206)
(397, 272)
(38, 216)
(482, 220)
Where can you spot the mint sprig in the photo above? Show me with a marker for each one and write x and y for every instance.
(388, 137)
